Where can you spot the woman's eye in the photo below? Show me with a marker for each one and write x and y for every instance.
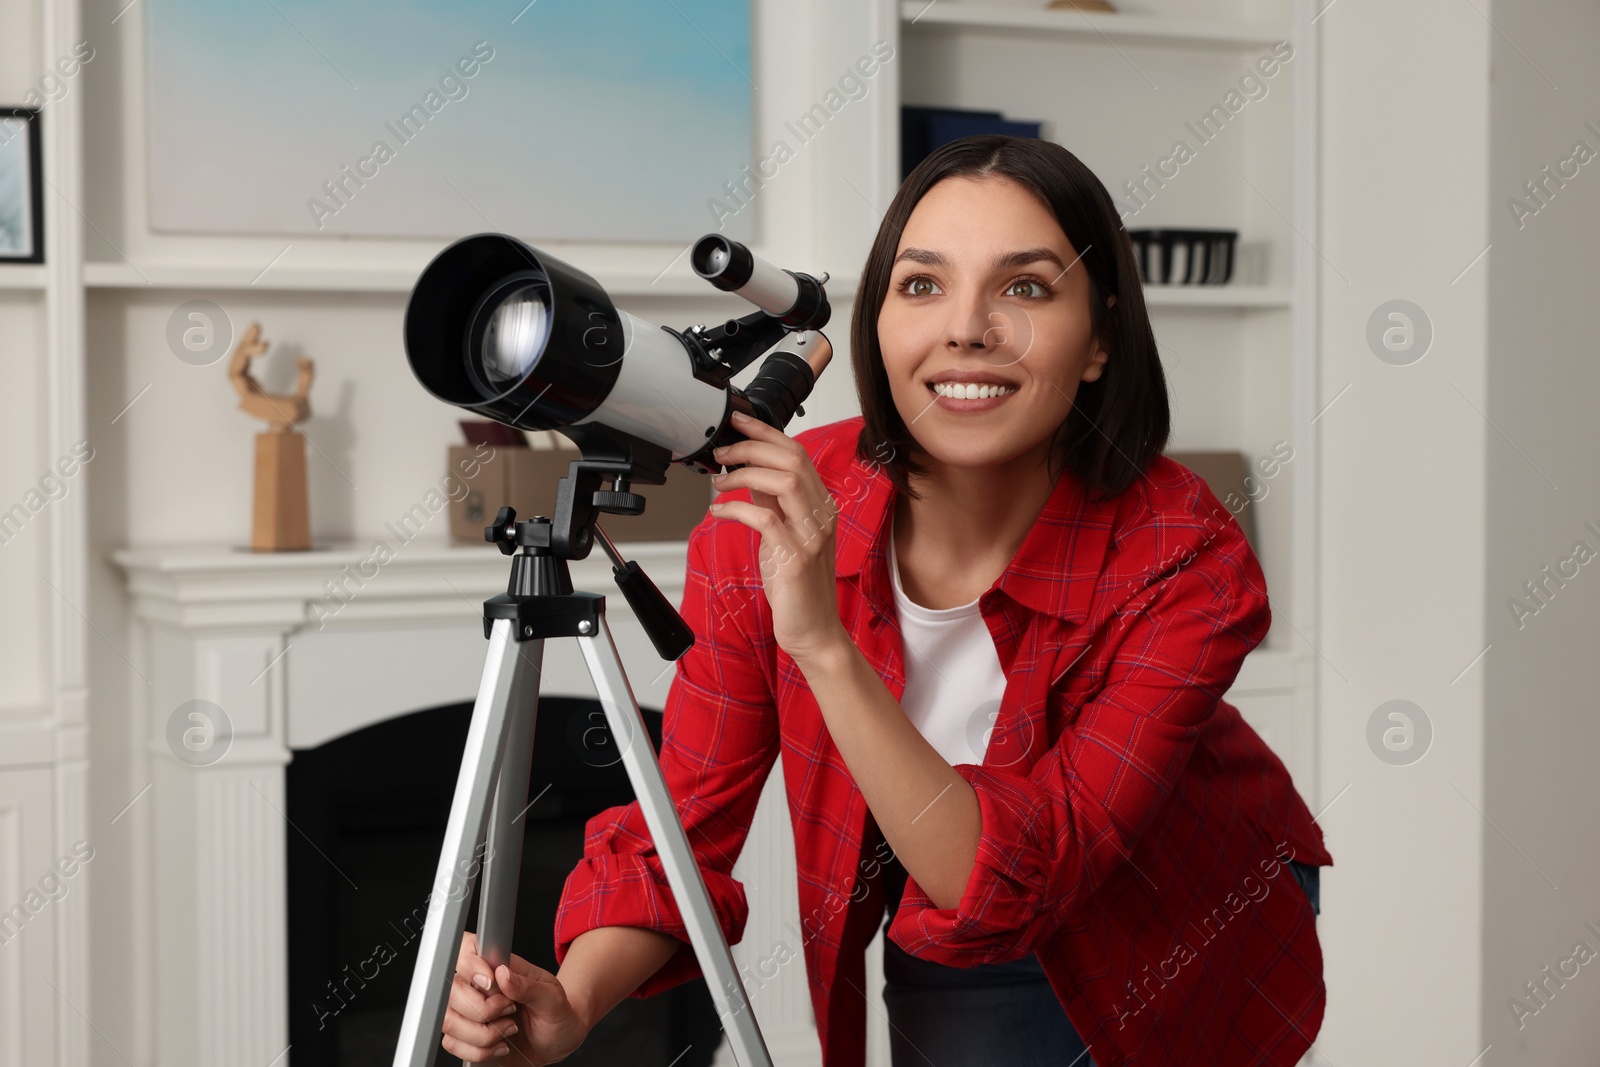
(920, 286)
(1027, 289)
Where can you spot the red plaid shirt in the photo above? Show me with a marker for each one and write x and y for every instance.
(1135, 828)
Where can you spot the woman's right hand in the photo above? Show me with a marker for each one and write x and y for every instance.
(521, 1006)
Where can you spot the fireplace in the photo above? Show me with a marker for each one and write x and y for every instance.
(370, 808)
(246, 634)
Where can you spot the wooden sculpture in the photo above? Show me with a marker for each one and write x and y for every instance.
(282, 518)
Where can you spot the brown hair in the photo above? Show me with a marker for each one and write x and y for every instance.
(1120, 421)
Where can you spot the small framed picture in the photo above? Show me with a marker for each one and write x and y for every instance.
(21, 203)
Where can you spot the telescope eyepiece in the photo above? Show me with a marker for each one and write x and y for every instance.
(796, 300)
(726, 264)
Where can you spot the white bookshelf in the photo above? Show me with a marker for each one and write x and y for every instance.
(1132, 28)
(224, 277)
(103, 275)
(1118, 90)
(23, 276)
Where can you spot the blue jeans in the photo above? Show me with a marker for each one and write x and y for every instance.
(994, 1013)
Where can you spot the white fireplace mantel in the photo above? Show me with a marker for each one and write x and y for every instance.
(299, 648)
(291, 665)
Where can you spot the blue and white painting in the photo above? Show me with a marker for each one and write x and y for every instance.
(17, 238)
(556, 119)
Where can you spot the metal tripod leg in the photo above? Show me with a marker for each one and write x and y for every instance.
(496, 763)
(507, 678)
(497, 901)
(672, 846)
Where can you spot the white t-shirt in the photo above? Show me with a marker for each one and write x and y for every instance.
(953, 676)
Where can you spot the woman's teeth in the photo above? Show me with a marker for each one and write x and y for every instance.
(957, 391)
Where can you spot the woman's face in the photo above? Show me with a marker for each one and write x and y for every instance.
(986, 288)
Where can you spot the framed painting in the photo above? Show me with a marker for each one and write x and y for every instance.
(21, 179)
(606, 120)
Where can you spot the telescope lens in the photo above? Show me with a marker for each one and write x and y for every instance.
(515, 337)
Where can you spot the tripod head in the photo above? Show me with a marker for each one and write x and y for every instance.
(539, 595)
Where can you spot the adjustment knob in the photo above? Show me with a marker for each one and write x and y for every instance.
(497, 534)
(618, 503)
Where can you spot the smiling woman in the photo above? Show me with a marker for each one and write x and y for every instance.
(958, 619)
(1054, 324)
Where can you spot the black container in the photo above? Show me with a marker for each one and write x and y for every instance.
(1185, 257)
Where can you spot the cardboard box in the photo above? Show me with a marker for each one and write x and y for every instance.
(525, 479)
(1224, 473)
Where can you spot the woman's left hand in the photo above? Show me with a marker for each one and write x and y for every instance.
(796, 516)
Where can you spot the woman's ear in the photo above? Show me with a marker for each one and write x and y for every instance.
(1111, 301)
(1097, 364)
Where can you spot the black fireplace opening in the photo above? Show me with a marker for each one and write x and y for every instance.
(367, 814)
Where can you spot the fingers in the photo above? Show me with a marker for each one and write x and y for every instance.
(530, 985)
(477, 1006)
(768, 522)
(472, 1053)
(473, 967)
(762, 453)
(790, 490)
(470, 1031)
(756, 429)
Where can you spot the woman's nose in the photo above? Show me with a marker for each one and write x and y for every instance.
(971, 324)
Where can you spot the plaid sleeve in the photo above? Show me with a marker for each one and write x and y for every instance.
(1052, 834)
(719, 742)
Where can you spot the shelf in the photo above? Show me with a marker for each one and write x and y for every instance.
(200, 585)
(21, 276)
(218, 276)
(1136, 29)
(124, 276)
(369, 280)
(1217, 296)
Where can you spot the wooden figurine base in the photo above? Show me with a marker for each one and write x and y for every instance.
(282, 518)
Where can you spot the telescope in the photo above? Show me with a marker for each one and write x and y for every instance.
(498, 327)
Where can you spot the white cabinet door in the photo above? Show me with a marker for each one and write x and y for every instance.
(30, 890)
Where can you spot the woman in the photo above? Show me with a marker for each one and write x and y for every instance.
(990, 637)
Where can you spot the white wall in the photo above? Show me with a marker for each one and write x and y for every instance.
(22, 438)
(1404, 170)
(1541, 867)
(22, 463)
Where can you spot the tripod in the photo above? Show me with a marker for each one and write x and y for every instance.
(539, 603)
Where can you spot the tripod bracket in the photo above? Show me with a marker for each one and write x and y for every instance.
(569, 615)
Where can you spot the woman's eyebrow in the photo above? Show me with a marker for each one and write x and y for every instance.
(1004, 261)
(922, 255)
(1026, 256)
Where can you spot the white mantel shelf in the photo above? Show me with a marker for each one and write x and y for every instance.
(195, 586)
